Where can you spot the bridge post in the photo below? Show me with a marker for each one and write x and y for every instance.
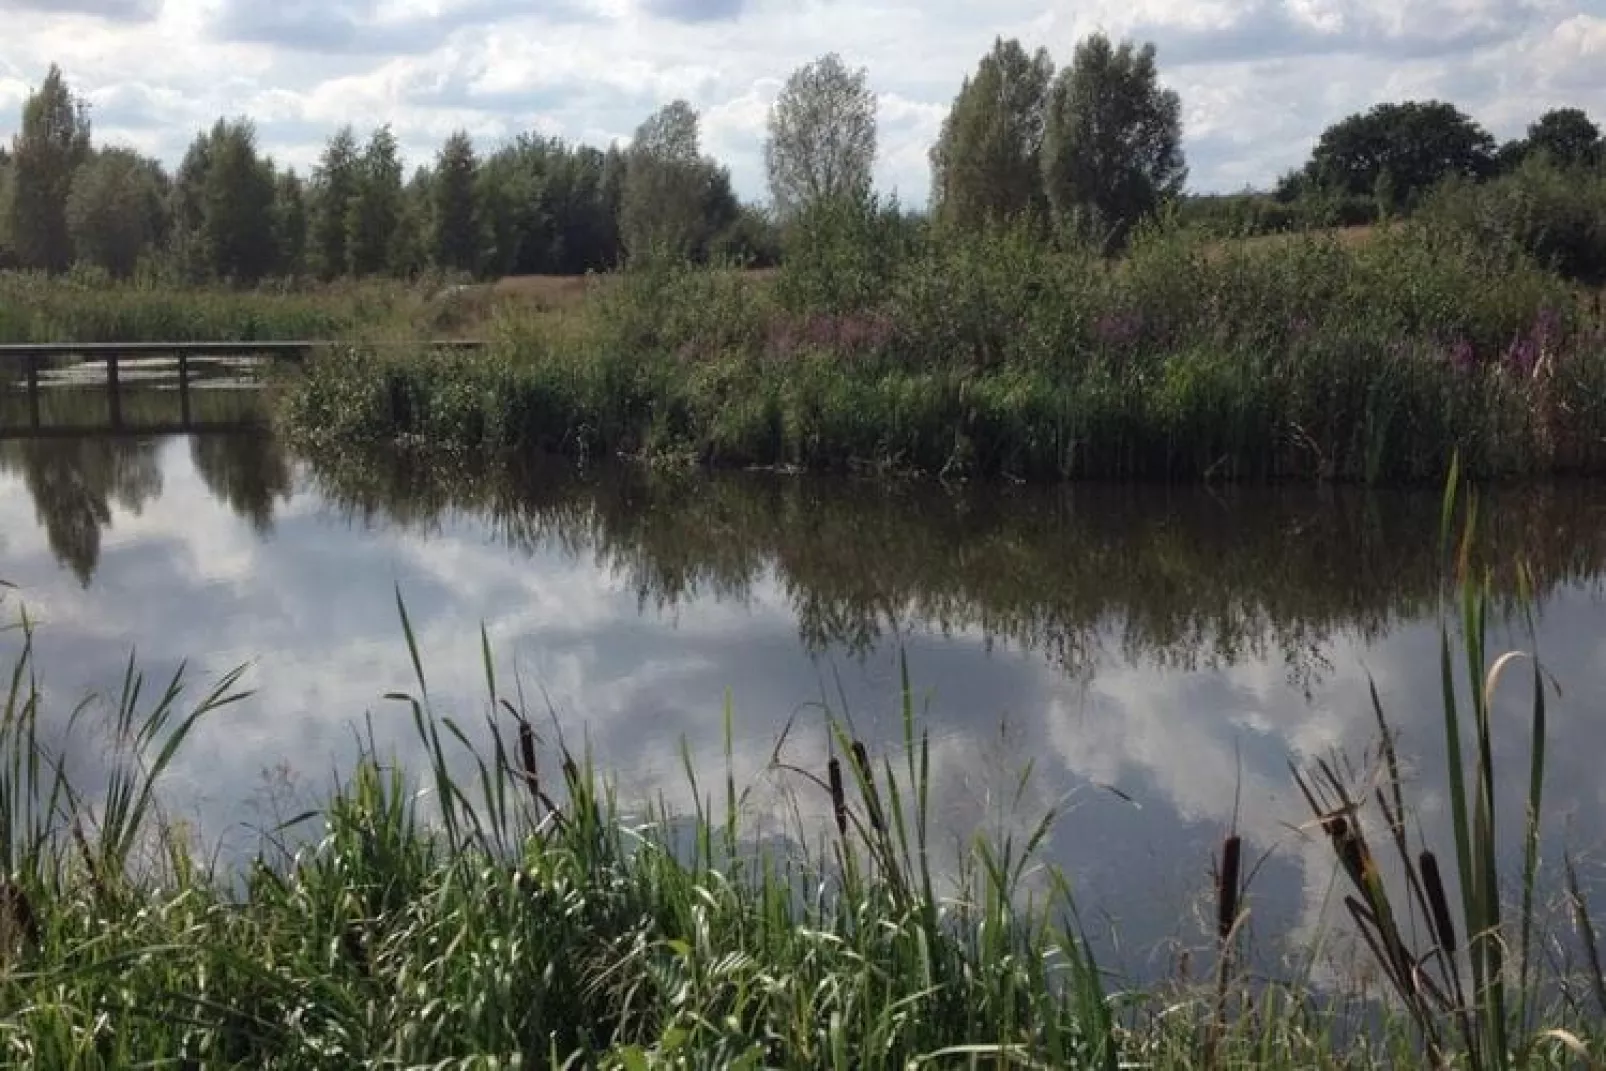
(184, 388)
(114, 393)
(33, 391)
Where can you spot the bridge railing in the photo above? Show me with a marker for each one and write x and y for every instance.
(33, 356)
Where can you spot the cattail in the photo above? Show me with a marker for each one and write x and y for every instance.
(1227, 887)
(532, 776)
(1351, 851)
(872, 799)
(839, 802)
(1438, 903)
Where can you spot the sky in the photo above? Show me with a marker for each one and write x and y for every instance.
(1259, 79)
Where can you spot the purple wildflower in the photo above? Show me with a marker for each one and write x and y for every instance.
(1462, 356)
(1522, 355)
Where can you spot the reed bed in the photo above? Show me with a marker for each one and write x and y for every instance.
(500, 906)
(1004, 355)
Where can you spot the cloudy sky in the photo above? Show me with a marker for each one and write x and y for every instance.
(1259, 78)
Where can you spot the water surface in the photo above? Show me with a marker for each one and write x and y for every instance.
(1156, 655)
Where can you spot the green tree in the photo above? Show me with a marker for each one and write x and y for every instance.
(510, 188)
(51, 145)
(455, 224)
(667, 187)
(7, 255)
(374, 215)
(1566, 136)
(237, 205)
(1112, 144)
(1406, 148)
(115, 210)
(987, 162)
(334, 187)
(411, 254)
(822, 136)
(187, 208)
(290, 223)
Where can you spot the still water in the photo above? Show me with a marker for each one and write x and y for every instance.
(1157, 656)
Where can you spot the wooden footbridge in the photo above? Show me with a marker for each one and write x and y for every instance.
(35, 357)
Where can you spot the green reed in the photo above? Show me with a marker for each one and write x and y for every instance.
(1001, 354)
(1472, 989)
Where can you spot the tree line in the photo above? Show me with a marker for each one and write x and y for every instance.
(1088, 151)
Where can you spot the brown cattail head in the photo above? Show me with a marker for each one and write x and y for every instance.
(1438, 903)
(839, 802)
(861, 758)
(532, 775)
(872, 798)
(1227, 886)
(1350, 848)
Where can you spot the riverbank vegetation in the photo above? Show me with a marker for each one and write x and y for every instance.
(998, 352)
(501, 904)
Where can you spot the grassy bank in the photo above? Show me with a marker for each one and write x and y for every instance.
(517, 915)
(1004, 355)
(85, 308)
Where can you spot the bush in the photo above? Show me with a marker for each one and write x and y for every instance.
(1555, 215)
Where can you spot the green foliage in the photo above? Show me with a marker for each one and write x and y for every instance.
(46, 152)
(841, 255)
(224, 207)
(8, 256)
(455, 221)
(116, 212)
(1555, 216)
(34, 308)
(1407, 148)
(822, 136)
(1237, 215)
(290, 224)
(986, 166)
(237, 193)
(674, 201)
(991, 352)
(335, 185)
(374, 212)
(1567, 137)
(1112, 142)
(549, 208)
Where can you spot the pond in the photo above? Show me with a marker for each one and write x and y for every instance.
(1155, 656)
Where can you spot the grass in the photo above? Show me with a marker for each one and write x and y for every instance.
(34, 308)
(1001, 355)
(502, 905)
